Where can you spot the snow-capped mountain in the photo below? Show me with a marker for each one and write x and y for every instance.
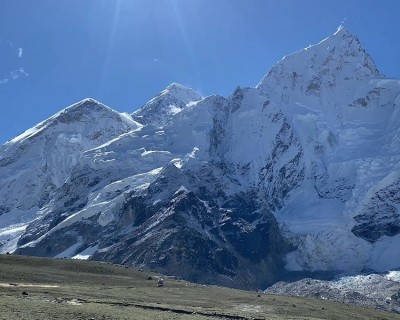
(35, 164)
(300, 173)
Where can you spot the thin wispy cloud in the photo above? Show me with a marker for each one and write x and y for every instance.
(18, 73)
(11, 69)
(23, 72)
(14, 75)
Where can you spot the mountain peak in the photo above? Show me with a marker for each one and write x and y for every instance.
(85, 104)
(343, 38)
(172, 100)
(342, 30)
(87, 110)
(177, 86)
(181, 92)
(88, 100)
(337, 61)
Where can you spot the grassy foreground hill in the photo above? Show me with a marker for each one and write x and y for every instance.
(41, 288)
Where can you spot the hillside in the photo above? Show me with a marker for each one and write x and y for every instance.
(42, 288)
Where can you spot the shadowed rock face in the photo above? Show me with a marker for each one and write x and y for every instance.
(380, 217)
(237, 243)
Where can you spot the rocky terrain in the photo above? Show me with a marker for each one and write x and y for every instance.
(380, 291)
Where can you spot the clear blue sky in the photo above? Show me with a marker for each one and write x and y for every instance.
(123, 52)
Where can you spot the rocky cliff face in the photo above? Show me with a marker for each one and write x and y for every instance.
(297, 174)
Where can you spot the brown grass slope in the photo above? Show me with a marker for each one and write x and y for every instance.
(39, 288)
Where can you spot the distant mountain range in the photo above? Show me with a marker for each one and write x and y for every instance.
(300, 174)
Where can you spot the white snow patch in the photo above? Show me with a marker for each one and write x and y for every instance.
(85, 254)
(393, 276)
(174, 109)
(68, 253)
(181, 189)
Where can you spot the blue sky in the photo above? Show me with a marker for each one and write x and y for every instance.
(123, 52)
